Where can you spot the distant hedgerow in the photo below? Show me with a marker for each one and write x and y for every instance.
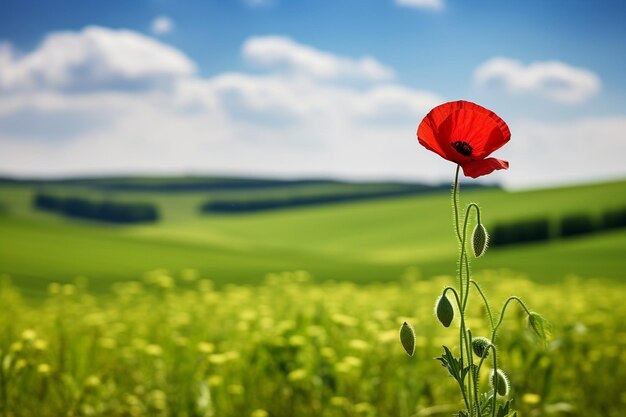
(614, 218)
(543, 229)
(521, 231)
(576, 224)
(107, 211)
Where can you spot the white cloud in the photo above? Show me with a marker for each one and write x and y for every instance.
(282, 53)
(162, 25)
(94, 58)
(269, 124)
(551, 79)
(201, 128)
(421, 4)
(579, 150)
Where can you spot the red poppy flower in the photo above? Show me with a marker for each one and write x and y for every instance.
(465, 133)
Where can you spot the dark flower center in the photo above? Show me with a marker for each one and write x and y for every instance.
(462, 147)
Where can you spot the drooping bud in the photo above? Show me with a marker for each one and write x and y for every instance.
(480, 346)
(539, 326)
(444, 310)
(407, 338)
(480, 239)
(499, 382)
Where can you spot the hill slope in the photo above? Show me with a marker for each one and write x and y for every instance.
(362, 241)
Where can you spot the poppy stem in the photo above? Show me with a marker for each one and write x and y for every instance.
(456, 296)
(495, 380)
(487, 307)
(494, 333)
(464, 342)
(464, 250)
(455, 202)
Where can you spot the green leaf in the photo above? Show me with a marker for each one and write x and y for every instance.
(452, 364)
(505, 409)
(486, 403)
(466, 370)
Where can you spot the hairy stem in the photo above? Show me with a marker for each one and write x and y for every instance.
(455, 202)
(506, 303)
(464, 343)
(473, 375)
(456, 296)
(482, 295)
(495, 380)
(463, 250)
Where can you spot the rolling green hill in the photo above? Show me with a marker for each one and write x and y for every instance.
(363, 241)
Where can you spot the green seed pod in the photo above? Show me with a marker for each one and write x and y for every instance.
(407, 338)
(480, 346)
(503, 386)
(444, 310)
(480, 239)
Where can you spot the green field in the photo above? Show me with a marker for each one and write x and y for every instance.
(195, 315)
(363, 241)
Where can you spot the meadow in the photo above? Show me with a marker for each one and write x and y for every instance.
(195, 316)
(170, 345)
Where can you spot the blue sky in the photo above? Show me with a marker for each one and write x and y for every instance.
(552, 69)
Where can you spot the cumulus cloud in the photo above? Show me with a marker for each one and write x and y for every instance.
(282, 53)
(271, 123)
(257, 124)
(95, 58)
(421, 4)
(554, 80)
(162, 25)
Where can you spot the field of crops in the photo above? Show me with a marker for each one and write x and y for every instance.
(174, 345)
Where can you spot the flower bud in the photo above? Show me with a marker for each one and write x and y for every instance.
(407, 338)
(539, 326)
(480, 346)
(480, 239)
(444, 311)
(503, 386)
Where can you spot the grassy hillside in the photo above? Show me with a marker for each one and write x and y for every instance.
(363, 241)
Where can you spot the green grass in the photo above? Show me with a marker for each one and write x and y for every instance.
(364, 241)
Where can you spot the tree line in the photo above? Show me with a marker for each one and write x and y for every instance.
(245, 206)
(106, 211)
(542, 229)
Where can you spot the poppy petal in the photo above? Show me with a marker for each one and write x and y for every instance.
(428, 138)
(482, 167)
(464, 121)
(481, 128)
